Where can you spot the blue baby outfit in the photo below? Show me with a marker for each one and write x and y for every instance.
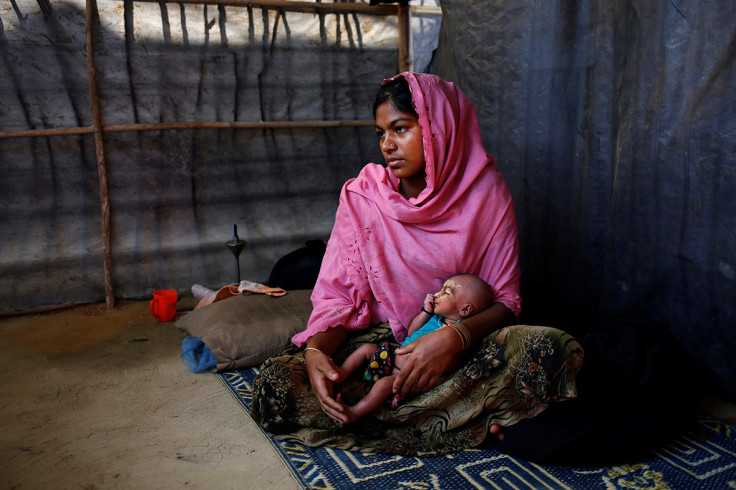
(432, 324)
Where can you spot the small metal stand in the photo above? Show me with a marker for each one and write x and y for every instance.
(236, 245)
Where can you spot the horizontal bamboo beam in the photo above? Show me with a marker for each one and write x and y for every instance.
(425, 10)
(296, 6)
(172, 126)
(360, 8)
(120, 128)
(39, 133)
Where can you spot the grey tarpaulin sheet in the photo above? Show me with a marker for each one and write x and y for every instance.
(615, 126)
(175, 195)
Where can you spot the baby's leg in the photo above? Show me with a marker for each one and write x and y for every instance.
(380, 391)
(359, 358)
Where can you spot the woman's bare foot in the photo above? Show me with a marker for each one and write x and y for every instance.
(495, 430)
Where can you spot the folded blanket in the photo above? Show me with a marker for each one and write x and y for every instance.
(242, 288)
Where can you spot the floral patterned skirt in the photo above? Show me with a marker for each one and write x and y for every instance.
(514, 374)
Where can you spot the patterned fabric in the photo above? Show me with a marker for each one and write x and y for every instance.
(382, 363)
(515, 374)
(702, 456)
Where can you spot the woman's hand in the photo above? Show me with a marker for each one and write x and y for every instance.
(323, 375)
(437, 353)
(427, 359)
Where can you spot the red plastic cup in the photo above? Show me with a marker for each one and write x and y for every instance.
(163, 306)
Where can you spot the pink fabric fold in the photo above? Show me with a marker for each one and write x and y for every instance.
(386, 252)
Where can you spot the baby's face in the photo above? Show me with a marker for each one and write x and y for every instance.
(447, 300)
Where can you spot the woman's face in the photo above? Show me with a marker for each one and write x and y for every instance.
(401, 144)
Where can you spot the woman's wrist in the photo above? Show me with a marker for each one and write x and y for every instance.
(314, 349)
(464, 335)
(326, 342)
(454, 340)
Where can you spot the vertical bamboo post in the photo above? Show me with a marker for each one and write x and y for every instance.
(404, 21)
(100, 151)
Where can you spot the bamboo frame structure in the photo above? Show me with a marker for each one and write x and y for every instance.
(295, 6)
(100, 151)
(403, 12)
(312, 7)
(187, 125)
(405, 52)
(425, 10)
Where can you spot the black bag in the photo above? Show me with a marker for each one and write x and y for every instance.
(298, 269)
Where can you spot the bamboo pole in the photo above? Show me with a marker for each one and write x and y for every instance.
(310, 7)
(100, 151)
(120, 128)
(426, 10)
(296, 6)
(39, 133)
(405, 55)
(172, 126)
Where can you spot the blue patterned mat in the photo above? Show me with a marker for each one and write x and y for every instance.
(709, 463)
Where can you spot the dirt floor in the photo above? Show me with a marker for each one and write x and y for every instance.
(93, 398)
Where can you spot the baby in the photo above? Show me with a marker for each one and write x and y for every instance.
(460, 297)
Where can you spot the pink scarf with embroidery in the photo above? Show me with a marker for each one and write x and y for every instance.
(386, 252)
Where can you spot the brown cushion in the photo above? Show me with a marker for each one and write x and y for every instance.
(244, 331)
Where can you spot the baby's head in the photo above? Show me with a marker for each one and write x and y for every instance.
(462, 296)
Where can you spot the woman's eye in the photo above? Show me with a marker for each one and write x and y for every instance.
(400, 129)
(380, 134)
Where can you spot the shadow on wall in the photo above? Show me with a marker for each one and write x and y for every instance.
(615, 126)
(176, 194)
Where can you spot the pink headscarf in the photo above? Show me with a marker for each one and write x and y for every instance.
(386, 252)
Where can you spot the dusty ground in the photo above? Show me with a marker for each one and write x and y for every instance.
(92, 398)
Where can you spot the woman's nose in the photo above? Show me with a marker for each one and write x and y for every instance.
(388, 144)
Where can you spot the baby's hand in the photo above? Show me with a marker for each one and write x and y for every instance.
(429, 303)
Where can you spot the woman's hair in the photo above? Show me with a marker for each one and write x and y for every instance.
(397, 91)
